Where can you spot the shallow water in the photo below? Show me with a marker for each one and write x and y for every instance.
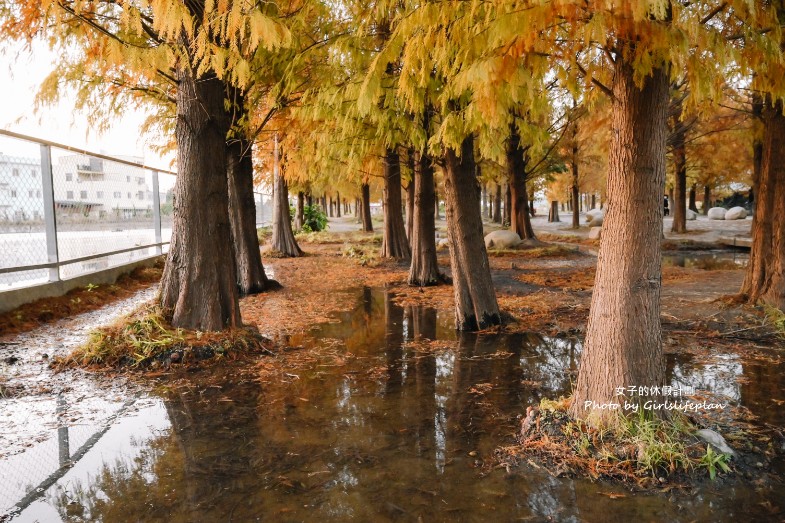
(376, 429)
(707, 260)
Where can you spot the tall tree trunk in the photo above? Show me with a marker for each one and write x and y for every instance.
(436, 197)
(394, 242)
(475, 298)
(483, 199)
(593, 200)
(366, 208)
(410, 199)
(283, 238)
(765, 278)
(507, 205)
(553, 215)
(624, 338)
(576, 217)
(516, 174)
(497, 205)
(678, 200)
(706, 199)
(251, 278)
(338, 205)
(757, 148)
(199, 284)
(424, 269)
(299, 214)
(693, 206)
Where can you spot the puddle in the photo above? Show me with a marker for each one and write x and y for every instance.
(379, 431)
(707, 260)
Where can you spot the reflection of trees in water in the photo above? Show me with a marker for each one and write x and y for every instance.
(719, 377)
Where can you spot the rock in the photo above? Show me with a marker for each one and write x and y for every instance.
(715, 439)
(691, 215)
(443, 243)
(594, 233)
(736, 213)
(502, 240)
(595, 217)
(717, 213)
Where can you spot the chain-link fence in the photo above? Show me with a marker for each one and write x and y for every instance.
(64, 213)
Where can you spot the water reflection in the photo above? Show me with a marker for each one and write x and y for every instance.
(707, 260)
(389, 432)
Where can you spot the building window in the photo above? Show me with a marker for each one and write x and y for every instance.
(118, 195)
(129, 196)
(38, 194)
(140, 181)
(13, 194)
(99, 194)
(69, 195)
(140, 195)
(69, 177)
(30, 193)
(83, 195)
(127, 178)
(33, 173)
(16, 172)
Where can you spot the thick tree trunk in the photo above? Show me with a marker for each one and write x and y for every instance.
(553, 216)
(424, 269)
(475, 298)
(338, 205)
(706, 199)
(410, 204)
(242, 216)
(199, 284)
(394, 242)
(678, 200)
(283, 238)
(576, 217)
(497, 205)
(593, 201)
(516, 175)
(365, 210)
(765, 278)
(299, 214)
(623, 343)
(757, 148)
(693, 206)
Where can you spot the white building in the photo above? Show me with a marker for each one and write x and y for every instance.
(21, 189)
(102, 188)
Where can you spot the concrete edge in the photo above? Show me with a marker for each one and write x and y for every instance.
(12, 299)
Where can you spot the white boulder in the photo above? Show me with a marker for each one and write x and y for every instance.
(717, 213)
(691, 215)
(736, 213)
(442, 243)
(595, 233)
(502, 240)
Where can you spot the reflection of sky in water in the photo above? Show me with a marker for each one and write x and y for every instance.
(445, 364)
(719, 377)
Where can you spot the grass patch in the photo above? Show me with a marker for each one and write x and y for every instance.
(145, 340)
(776, 317)
(641, 449)
(326, 237)
(264, 234)
(366, 257)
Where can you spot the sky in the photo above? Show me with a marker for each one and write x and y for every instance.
(21, 72)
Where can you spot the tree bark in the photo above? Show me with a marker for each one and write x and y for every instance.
(593, 200)
(251, 278)
(410, 201)
(576, 217)
(507, 205)
(516, 174)
(199, 283)
(394, 242)
(497, 205)
(553, 216)
(338, 205)
(706, 199)
(365, 210)
(283, 238)
(475, 299)
(765, 278)
(757, 148)
(693, 206)
(299, 214)
(678, 203)
(424, 269)
(623, 345)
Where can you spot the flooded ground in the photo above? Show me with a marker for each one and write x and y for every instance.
(364, 420)
(707, 260)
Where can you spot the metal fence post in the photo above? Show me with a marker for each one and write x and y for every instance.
(157, 214)
(50, 220)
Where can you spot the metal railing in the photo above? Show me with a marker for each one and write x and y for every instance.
(65, 212)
